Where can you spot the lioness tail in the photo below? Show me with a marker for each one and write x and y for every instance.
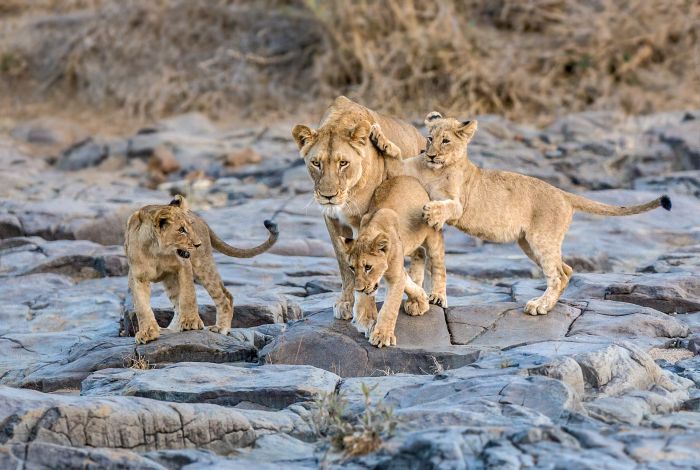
(229, 250)
(592, 207)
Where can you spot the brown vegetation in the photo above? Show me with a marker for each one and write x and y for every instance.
(527, 60)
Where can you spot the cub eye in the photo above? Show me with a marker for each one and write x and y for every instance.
(343, 163)
(430, 140)
(368, 268)
(182, 230)
(316, 163)
(445, 141)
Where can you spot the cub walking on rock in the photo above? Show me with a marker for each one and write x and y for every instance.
(497, 206)
(171, 244)
(392, 229)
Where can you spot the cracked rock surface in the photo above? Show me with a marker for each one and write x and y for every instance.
(608, 379)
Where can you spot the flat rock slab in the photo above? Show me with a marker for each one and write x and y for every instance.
(67, 370)
(323, 341)
(271, 386)
(132, 423)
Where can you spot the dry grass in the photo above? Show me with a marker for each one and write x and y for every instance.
(529, 60)
(137, 361)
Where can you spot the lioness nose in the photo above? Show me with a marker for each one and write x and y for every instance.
(327, 196)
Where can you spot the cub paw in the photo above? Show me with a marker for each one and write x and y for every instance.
(342, 310)
(537, 306)
(218, 329)
(433, 215)
(190, 323)
(363, 324)
(382, 337)
(438, 299)
(149, 333)
(415, 306)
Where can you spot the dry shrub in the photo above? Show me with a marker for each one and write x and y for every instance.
(529, 60)
(525, 60)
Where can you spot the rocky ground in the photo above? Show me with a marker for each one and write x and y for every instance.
(609, 379)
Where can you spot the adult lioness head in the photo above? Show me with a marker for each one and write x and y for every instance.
(171, 227)
(448, 139)
(335, 158)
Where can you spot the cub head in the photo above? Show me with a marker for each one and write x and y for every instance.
(334, 157)
(173, 226)
(448, 139)
(368, 255)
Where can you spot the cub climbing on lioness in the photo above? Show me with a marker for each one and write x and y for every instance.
(171, 244)
(497, 206)
(392, 229)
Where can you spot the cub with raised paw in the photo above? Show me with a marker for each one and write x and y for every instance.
(392, 229)
(172, 245)
(497, 206)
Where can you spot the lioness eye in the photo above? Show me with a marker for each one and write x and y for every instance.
(343, 163)
(352, 270)
(445, 141)
(316, 163)
(182, 230)
(368, 268)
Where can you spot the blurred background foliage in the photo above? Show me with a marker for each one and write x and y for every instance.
(530, 60)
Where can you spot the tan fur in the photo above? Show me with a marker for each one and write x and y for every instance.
(157, 238)
(392, 229)
(346, 169)
(497, 206)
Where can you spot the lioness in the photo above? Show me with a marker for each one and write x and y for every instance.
(498, 206)
(392, 229)
(346, 169)
(169, 243)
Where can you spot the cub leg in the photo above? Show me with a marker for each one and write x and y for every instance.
(383, 332)
(172, 288)
(148, 327)
(365, 313)
(211, 281)
(383, 144)
(435, 244)
(417, 302)
(189, 316)
(437, 213)
(417, 269)
(548, 253)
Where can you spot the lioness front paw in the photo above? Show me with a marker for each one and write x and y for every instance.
(434, 215)
(342, 310)
(415, 306)
(218, 329)
(190, 323)
(537, 306)
(438, 299)
(382, 337)
(148, 333)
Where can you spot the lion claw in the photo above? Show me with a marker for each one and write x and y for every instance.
(342, 310)
(438, 299)
(145, 335)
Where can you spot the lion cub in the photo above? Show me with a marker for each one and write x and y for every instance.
(392, 229)
(170, 244)
(497, 206)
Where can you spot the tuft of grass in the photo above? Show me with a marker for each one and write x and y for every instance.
(137, 361)
(358, 435)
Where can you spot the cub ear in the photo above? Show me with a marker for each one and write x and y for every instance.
(303, 136)
(432, 116)
(180, 201)
(467, 129)
(346, 244)
(380, 244)
(360, 133)
(161, 219)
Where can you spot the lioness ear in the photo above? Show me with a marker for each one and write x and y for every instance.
(360, 133)
(467, 129)
(303, 136)
(180, 201)
(432, 116)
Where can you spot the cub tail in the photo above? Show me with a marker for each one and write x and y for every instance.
(592, 207)
(229, 250)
